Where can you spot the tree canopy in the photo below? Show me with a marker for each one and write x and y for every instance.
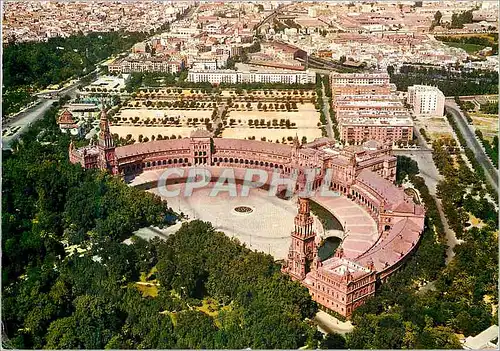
(196, 289)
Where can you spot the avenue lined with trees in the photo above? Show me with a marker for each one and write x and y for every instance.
(30, 66)
(451, 83)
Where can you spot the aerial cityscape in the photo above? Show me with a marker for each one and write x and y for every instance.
(250, 174)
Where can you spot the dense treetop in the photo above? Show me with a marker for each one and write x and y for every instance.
(43, 63)
(425, 303)
(451, 83)
(30, 66)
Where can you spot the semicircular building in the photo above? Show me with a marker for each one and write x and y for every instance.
(371, 249)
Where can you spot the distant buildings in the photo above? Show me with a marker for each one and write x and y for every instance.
(426, 100)
(40, 20)
(360, 79)
(366, 108)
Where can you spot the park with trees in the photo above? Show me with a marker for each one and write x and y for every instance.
(207, 290)
(31, 66)
(450, 82)
(427, 302)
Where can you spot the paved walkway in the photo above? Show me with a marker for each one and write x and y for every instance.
(329, 324)
(267, 228)
(360, 228)
(490, 171)
(326, 111)
(24, 119)
(431, 176)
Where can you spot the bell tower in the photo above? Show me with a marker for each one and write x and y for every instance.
(302, 248)
(107, 155)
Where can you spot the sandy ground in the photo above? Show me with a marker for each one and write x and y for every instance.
(487, 124)
(306, 120)
(328, 324)
(267, 228)
(144, 113)
(435, 127)
(150, 131)
(307, 116)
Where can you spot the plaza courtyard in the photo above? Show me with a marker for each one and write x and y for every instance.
(262, 222)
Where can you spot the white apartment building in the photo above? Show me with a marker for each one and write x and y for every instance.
(205, 65)
(213, 76)
(426, 100)
(250, 76)
(359, 79)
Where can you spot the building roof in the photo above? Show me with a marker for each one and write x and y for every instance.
(393, 195)
(342, 267)
(253, 145)
(201, 133)
(484, 340)
(401, 239)
(151, 147)
(66, 117)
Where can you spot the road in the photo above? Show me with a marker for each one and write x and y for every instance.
(326, 111)
(421, 140)
(272, 15)
(489, 170)
(431, 176)
(26, 118)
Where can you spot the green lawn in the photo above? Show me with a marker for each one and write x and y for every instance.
(147, 286)
(147, 290)
(469, 48)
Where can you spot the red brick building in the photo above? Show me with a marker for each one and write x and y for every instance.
(362, 174)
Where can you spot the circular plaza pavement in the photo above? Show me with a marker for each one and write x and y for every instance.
(267, 227)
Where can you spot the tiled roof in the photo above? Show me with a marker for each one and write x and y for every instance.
(151, 147)
(400, 240)
(253, 145)
(393, 195)
(66, 118)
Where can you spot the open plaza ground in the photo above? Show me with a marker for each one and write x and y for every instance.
(266, 228)
(305, 119)
(148, 132)
(239, 122)
(144, 113)
(272, 134)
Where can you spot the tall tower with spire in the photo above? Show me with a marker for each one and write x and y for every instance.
(302, 248)
(107, 155)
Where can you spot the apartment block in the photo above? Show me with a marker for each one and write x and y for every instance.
(367, 108)
(251, 76)
(426, 100)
